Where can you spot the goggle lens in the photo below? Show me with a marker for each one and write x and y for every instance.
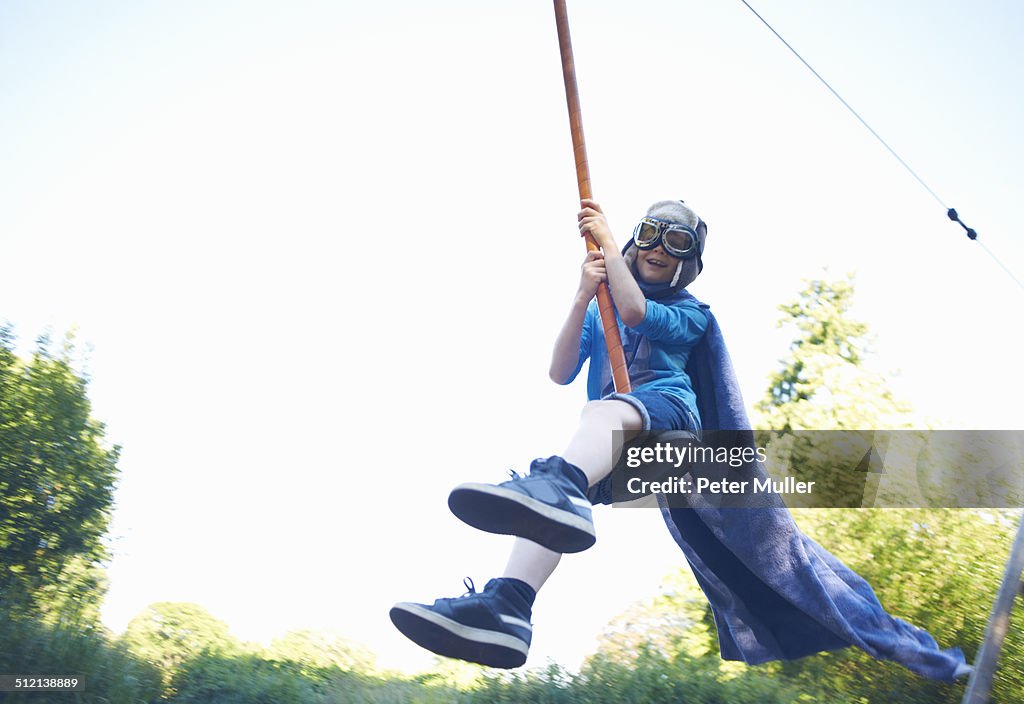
(678, 240)
(647, 235)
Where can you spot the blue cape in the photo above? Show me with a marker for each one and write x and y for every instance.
(775, 593)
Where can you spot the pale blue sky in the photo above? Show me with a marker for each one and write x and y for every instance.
(320, 251)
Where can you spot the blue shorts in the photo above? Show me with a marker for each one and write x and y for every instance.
(660, 410)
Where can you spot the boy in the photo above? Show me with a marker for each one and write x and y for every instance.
(549, 510)
(775, 593)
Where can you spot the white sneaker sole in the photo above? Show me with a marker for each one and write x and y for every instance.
(496, 509)
(444, 636)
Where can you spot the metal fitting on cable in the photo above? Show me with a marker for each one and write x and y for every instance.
(971, 234)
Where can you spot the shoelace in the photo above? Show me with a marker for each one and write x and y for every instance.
(516, 475)
(467, 582)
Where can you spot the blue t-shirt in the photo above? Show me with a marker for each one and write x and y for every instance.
(656, 350)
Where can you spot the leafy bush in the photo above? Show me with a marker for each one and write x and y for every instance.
(243, 679)
(111, 674)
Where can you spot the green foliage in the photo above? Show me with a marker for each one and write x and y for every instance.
(650, 677)
(319, 650)
(56, 486)
(655, 677)
(824, 384)
(169, 634)
(202, 662)
(254, 678)
(56, 490)
(938, 569)
(244, 679)
(112, 675)
(678, 620)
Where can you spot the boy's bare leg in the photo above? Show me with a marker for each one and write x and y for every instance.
(493, 627)
(592, 450)
(592, 447)
(531, 563)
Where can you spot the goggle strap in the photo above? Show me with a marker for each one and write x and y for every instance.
(700, 247)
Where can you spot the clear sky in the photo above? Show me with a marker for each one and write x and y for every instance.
(319, 252)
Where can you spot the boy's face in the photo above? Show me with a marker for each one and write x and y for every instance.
(655, 266)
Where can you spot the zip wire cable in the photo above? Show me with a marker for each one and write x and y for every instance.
(950, 212)
(840, 98)
(996, 260)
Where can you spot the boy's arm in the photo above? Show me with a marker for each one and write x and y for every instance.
(565, 358)
(630, 301)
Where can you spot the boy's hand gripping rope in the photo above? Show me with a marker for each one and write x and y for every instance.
(620, 374)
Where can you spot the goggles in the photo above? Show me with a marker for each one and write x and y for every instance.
(677, 240)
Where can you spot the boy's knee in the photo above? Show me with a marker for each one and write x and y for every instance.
(598, 408)
(613, 413)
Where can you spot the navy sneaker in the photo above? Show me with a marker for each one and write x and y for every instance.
(491, 627)
(549, 507)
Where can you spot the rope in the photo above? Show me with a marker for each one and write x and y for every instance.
(950, 212)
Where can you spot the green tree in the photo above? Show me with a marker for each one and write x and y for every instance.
(824, 384)
(57, 477)
(169, 634)
(825, 402)
(677, 620)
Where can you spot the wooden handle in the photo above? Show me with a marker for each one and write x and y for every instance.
(617, 358)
